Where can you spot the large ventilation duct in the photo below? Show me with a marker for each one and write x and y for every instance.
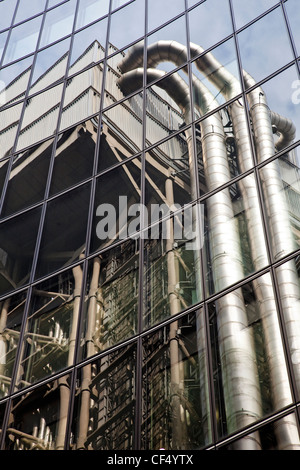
(229, 86)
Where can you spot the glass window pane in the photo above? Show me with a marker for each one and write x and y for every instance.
(27, 179)
(64, 232)
(292, 8)
(251, 375)
(36, 6)
(91, 10)
(259, 45)
(11, 318)
(172, 277)
(50, 66)
(38, 419)
(247, 11)
(4, 165)
(88, 46)
(74, 156)
(17, 251)
(111, 299)
(7, 9)
(58, 23)
(23, 40)
(235, 244)
(271, 436)
(51, 327)
(3, 37)
(117, 208)
(82, 96)
(106, 395)
(167, 173)
(14, 81)
(176, 412)
(209, 23)
(132, 16)
(9, 119)
(126, 119)
(280, 184)
(40, 117)
(171, 9)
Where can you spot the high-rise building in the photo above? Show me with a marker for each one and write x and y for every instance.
(149, 224)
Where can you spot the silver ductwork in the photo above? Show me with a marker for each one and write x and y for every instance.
(241, 388)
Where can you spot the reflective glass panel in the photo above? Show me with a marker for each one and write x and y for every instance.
(40, 117)
(171, 9)
(262, 49)
(91, 10)
(288, 282)
(209, 23)
(9, 118)
(88, 46)
(11, 318)
(23, 40)
(17, 244)
(106, 397)
(251, 376)
(51, 327)
(111, 299)
(176, 412)
(4, 165)
(27, 179)
(271, 436)
(23, 12)
(50, 66)
(74, 156)
(125, 119)
(167, 108)
(14, 81)
(167, 173)
(64, 233)
(292, 8)
(38, 419)
(3, 37)
(234, 242)
(172, 277)
(247, 11)
(132, 15)
(82, 96)
(281, 189)
(7, 9)
(58, 23)
(117, 211)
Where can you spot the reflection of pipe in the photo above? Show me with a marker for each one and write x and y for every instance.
(64, 396)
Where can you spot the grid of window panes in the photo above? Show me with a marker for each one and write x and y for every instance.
(149, 224)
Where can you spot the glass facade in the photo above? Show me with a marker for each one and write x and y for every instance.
(149, 225)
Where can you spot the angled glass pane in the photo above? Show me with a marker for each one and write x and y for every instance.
(51, 327)
(111, 299)
(281, 197)
(175, 387)
(108, 401)
(64, 231)
(17, 251)
(234, 235)
(171, 9)
(3, 37)
(4, 165)
(249, 356)
(14, 80)
(260, 44)
(91, 10)
(36, 6)
(58, 23)
(23, 40)
(50, 65)
(82, 96)
(7, 9)
(88, 46)
(9, 119)
(12, 311)
(40, 116)
(27, 178)
(209, 23)
(292, 9)
(247, 11)
(132, 15)
(172, 276)
(38, 419)
(74, 156)
(117, 211)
